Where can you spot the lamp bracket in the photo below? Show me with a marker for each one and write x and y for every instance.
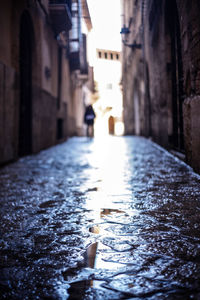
(133, 46)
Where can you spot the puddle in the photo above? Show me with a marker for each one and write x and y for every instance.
(78, 289)
(95, 252)
(109, 211)
(84, 279)
(103, 213)
(94, 257)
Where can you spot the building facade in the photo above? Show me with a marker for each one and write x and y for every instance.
(81, 72)
(108, 107)
(38, 73)
(161, 69)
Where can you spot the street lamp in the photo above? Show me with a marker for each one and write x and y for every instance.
(124, 32)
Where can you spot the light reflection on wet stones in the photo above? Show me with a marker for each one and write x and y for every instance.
(81, 222)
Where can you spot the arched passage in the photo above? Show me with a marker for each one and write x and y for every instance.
(176, 74)
(25, 64)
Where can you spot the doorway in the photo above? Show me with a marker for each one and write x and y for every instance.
(111, 125)
(25, 66)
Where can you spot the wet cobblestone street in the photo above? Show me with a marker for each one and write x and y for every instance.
(93, 219)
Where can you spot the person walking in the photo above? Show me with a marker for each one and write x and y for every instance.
(89, 117)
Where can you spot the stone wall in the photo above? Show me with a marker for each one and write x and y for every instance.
(46, 117)
(132, 67)
(44, 120)
(190, 34)
(161, 81)
(8, 113)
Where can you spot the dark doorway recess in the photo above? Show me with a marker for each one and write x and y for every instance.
(59, 129)
(59, 77)
(177, 139)
(25, 63)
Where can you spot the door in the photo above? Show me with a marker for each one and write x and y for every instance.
(25, 64)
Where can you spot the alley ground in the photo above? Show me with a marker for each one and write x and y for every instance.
(100, 219)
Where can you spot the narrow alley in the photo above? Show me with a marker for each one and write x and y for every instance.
(100, 219)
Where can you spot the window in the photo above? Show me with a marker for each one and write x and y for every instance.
(99, 53)
(106, 55)
(117, 56)
(111, 56)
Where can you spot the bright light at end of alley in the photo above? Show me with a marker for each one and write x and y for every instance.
(105, 55)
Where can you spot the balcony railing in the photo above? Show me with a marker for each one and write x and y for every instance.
(67, 2)
(60, 14)
(78, 58)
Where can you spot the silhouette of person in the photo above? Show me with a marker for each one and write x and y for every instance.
(89, 117)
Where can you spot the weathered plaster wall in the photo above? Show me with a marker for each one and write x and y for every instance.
(44, 87)
(8, 88)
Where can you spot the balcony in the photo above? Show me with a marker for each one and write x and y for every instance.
(60, 14)
(84, 63)
(78, 58)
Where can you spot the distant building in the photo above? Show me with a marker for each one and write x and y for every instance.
(43, 64)
(107, 74)
(161, 86)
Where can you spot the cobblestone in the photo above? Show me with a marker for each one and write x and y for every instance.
(100, 219)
